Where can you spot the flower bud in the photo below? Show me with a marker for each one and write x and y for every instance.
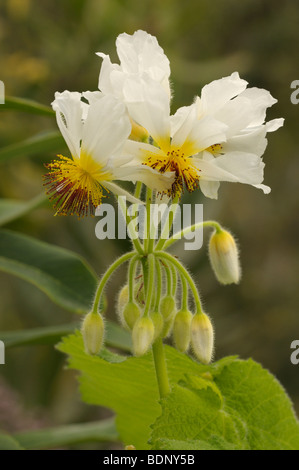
(167, 307)
(168, 311)
(93, 332)
(202, 337)
(158, 323)
(122, 300)
(143, 335)
(138, 132)
(181, 330)
(131, 313)
(224, 257)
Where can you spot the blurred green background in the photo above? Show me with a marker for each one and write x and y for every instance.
(49, 46)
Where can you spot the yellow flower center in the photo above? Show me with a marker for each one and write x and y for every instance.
(76, 185)
(179, 161)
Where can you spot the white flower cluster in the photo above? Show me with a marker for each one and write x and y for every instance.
(125, 131)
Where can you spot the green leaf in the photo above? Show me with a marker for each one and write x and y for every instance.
(62, 275)
(98, 431)
(28, 106)
(128, 387)
(50, 141)
(116, 336)
(11, 210)
(249, 410)
(214, 444)
(231, 404)
(7, 442)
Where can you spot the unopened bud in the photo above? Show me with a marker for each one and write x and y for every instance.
(158, 322)
(142, 335)
(131, 313)
(138, 132)
(224, 257)
(122, 300)
(202, 337)
(93, 333)
(181, 330)
(167, 307)
(168, 311)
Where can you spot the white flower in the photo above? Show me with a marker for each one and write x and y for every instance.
(95, 135)
(139, 54)
(220, 137)
(243, 110)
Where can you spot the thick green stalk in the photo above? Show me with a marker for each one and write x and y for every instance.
(168, 224)
(135, 241)
(161, 368)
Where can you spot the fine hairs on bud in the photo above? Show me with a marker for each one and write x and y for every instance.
(93, 332)
(168, 311)
(158, 322)
(122, 300)
(181, 330)
(224, 257)
(202, 337)
(131, 314)
(142, 335)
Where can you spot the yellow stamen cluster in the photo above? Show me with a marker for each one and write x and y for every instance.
(216, 149)
(74, 185)
(186, 174)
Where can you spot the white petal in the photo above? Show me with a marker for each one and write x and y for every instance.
(263, 187)
(106, 84)
(69, 115)
(92, 96)
(140, 53)
(206, 132)
(149, 106)
(151, 178)
(275, 124)
(251, 142)
(209, 188)
(237, 114)
(261, 100)
(234, 167)
(115, 189)
(106, 128)
(179, 118)
(219, 92)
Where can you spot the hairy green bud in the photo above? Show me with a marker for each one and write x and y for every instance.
(181, 330)
(224, 257)
(202, 337)
(131, 313)
(93, 332)
(143, 335)
(158, 323)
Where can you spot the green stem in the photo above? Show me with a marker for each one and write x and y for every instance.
(187, 276)
(168, 278)
(160, 367)
(138, 189)
(184, 293)
(174, 279)
(168, 224)
(106, 276)
(131, 276)
(135, 241)
(179, 235)
(150, 284)
(159, 284)
(148, 220)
